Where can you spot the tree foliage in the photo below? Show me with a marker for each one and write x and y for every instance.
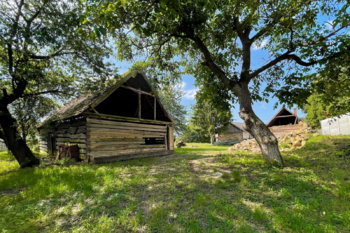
(47, 48)
(29, 112)
(319, 107)
(208, 121)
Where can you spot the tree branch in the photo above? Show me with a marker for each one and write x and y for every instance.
(56, 54)
(210, 63)
(44, 92)
(238, 27)
(268, 65)
(324, 37)
(10, 55)
(301, 62)
(265, 29)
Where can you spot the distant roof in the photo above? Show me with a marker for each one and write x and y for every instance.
(238, 125)
(82, 103)
(283, 113)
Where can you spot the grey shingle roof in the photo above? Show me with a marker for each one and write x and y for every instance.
(239, 125)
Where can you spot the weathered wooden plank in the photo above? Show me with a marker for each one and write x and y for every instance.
(72, 130)
(115, 127)
(118, 123)
(70, 140)
(171, 138)
(117, 139)
(94, 144)
(122, 152)
(109, 159)
(125, 136)
(78, 136)
(166, 143)
(119, 147)
(68, 125)
(122, 131)
(129, 119)
(82, 146)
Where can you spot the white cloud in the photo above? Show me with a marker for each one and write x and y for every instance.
(182, 85)
(263, 105)
(257, 46)
(190, 94)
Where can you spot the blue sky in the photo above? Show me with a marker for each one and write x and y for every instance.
(263, 110)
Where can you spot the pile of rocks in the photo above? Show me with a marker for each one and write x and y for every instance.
(290, 141)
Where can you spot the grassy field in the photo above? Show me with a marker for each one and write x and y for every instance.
(181, 193)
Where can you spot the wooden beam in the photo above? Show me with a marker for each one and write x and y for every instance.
(130, 119)
(103, 122)
(285, 116)
(136, 90)
(94, 110)
(139, 105)
(155, 108)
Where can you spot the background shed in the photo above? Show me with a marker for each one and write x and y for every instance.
(235, 133)
(126, 121)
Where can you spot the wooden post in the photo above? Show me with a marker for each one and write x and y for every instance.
(155, 108)
(139, 92)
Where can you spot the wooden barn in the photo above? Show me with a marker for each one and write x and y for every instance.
(284, 122)
(124, 122)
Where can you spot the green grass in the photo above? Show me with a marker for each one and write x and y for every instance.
(179, 193)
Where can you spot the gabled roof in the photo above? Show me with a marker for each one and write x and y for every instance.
(238, 125)
(282, 113)
(87, 102)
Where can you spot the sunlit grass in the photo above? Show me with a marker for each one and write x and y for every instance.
(179, 193)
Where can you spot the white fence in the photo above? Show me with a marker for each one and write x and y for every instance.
(336, 125)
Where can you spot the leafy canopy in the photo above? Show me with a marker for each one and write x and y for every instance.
(46, 47)
(213, 41)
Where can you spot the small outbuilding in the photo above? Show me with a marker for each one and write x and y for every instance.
(126, 121)
(235, 133)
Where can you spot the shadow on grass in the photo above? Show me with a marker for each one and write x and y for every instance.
(168, 195)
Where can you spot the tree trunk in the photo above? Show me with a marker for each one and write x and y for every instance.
(212, 139)
(266, 140)
(14, 142)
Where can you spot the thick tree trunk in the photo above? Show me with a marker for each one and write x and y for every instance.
(14, 142)
(211, 139)
(267, 141)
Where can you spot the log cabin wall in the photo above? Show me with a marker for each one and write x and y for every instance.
(110, 140)
(68, 133)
